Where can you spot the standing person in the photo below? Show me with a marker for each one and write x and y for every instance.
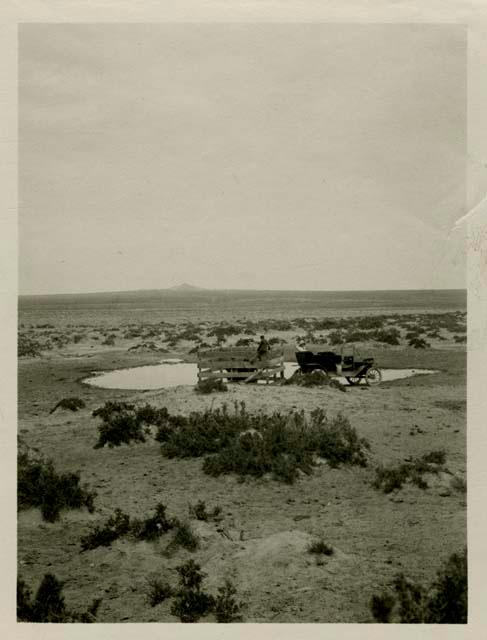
(263, 348)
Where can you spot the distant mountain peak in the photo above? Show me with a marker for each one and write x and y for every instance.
(184, 286)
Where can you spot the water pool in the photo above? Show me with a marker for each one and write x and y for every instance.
(165, 375)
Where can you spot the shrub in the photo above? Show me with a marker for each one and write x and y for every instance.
(124, 423)
(227, 609)
(460, 339)
(382, 606)
(119, 525)
(211, 384)
(191, 602)
(448, 604)
(245, 342)
(116, 526)
(122, 428)
(445, 601)
(185, 537)
(39, 485)
(459, 484)
(316, 378)
(199, 512)
(154, 526)
(418, 343)
(336, 337)
(70, 404)
(48, 604)
(157, 591)
(391, 478)
(27, 347)
(152, 416)
(281, 444)
(320, 547)
(110, 408)
(370, 322)
(387, 336)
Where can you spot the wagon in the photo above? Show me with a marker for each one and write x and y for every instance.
(346, 364)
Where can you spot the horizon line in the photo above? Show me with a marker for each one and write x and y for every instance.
(195, 289)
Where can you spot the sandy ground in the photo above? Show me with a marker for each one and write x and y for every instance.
(261, 542)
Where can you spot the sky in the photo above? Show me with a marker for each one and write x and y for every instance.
(260, 156)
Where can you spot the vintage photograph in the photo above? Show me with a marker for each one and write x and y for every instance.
(242, 323)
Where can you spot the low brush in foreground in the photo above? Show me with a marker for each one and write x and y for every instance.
(281, 444)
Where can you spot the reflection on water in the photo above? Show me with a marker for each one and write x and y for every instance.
(171, 375)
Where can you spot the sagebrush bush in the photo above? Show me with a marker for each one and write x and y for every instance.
(320, 547)
(185, 537)
(316, 378)
(120, 524)
(387, 336)
(157, 591)
(40, 485)
(48, 604)
(110, 408)
(444, 601)
(121, 428)
(394, 477)
(210, 385)
(70, 404)
(115, 527)
(28, 348)
(256, 444)
(124, 423)
(418, 343)
(227, 608)
(154, 526)
(199, 512)
(191, 602)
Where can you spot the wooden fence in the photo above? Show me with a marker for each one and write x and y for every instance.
(240, 364)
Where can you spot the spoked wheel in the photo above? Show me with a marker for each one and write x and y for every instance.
(354, 381)
(373, 376)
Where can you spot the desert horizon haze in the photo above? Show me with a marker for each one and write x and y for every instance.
(269, 156)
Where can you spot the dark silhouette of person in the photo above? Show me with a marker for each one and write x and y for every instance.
(263, 348)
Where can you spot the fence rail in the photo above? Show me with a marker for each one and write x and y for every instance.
(240, 364)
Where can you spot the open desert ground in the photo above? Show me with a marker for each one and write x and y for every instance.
(260, 540)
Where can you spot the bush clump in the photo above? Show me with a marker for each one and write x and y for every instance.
(444, 601)
(28, 348)
(109, 408)
(316, 378)
(48, 604)
(191, 602)
(119, 525)
(185, 537)
(418, 343)
(70, 404)
(158, 590)
(121, 428)
(199, 512)
(387, 336)
(39, 485)
(115, 527)
(320, 547)
(256, 444)
(211, 384)
(123, 423)
(392, 478)
(227, 608)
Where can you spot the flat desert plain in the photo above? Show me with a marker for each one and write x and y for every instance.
(260, 541)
